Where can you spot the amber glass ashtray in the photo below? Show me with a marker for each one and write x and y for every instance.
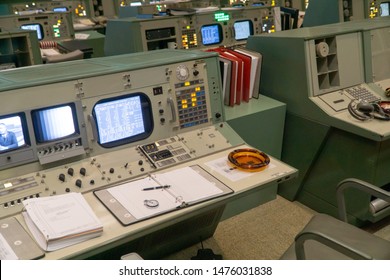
(248, 159)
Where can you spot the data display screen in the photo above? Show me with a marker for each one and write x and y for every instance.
(123, 119)
(211, 34)
(242, 29)
(34, 26)
(384, 9)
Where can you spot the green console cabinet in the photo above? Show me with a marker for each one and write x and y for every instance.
(19, 48)
(260, 122)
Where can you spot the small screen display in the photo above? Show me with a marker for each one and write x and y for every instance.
(211, 34)
(34, 26)
(242, 29)
(384, 9)
(54, 123)
(60, 9)
(123, 120)
(12, 134)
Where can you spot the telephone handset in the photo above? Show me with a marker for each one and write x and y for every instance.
(365, 107)
(363, 110)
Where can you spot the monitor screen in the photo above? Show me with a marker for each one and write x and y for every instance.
(34, 26)
(242, 29)
(13, 132)
(54, 123)
(122, 120)
(211, 34)
(384, 9)
(60, 9)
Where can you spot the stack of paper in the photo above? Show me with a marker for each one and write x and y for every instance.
(60, 221)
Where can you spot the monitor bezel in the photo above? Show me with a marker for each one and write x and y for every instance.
(40, 27)
(60, 9)
(147, 114)
(35, 122)
(388, 8)
(220, 33)
(251, 30)
(25, 131)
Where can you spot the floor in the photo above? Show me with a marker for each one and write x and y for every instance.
(262, 233)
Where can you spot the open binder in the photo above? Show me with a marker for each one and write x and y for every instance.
(161, 193)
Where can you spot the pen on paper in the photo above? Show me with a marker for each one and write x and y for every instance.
(156, 188)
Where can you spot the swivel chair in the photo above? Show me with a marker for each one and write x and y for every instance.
(327, 238)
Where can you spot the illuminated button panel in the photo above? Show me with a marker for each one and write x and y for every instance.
(189, 39)
(191, 103)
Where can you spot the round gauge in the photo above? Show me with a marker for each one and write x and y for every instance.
(151, 203)
(182, 72)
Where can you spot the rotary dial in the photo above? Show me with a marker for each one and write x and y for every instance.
(182, 72)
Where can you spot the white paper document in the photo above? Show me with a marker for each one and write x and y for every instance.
(6, 252)
(60, 221)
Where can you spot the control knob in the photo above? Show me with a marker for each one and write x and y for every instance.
(61, 177)
(83, 171)
(70, 171)
(78, 183)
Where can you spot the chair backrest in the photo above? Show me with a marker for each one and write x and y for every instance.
(327, 238)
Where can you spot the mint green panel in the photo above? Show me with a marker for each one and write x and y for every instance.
(303, 140)
(260, 123)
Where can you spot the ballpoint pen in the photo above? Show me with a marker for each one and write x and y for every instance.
(157, 188)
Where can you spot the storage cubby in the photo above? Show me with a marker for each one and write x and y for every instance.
(18, 49)
(327, 64)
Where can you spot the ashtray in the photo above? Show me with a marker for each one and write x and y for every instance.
(248, 159)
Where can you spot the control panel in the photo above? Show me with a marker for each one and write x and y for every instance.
(50, 26)
(79, 132)
(78, 9)
(205, 30)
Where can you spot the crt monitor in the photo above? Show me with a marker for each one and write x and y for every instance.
(13, 132)
(211, 34)
(55, 123)
(34, 26)
(60, 9)
(123, 119)
(242, 29)
(384, 9)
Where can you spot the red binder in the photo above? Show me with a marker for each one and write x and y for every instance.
(246, 80)
(236, 75)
